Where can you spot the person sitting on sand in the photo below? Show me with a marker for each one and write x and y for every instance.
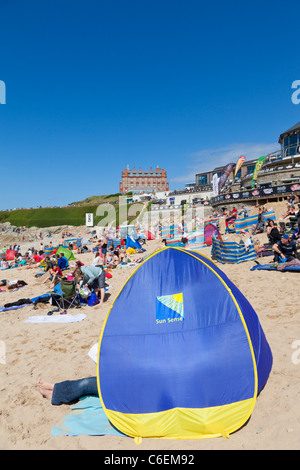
(35, 259)
(259, 227)
(291, 212)
(69, 391)
(285, 249)
(123, 256)
(113, 260)
(273, 233)
(97, 261)
(62, 262)
(4, 264)
(55, 275)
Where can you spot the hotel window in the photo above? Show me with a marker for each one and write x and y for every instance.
(202, 179)
(250, 169)
(293, 141)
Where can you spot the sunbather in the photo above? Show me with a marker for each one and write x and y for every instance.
(113, 260)
(68, 391)
(11, 285)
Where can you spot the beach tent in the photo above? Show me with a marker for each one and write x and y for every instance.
(209, 231)
(232, 252)
(132, 243)
(68, 253)
(149, 235)
(10, 255)
(182, 353)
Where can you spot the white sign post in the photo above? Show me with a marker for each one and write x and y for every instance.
(89, 220)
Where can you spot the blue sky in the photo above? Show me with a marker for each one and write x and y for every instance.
(94, 86)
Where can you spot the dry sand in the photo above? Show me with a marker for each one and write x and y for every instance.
(56, 352)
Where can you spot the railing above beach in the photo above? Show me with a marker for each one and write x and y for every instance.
(271, 192)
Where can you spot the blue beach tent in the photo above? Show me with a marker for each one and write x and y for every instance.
(182, 353)
(132, 243)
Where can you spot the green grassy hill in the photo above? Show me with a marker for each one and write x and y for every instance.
(71, 215)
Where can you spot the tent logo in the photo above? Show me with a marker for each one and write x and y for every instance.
(169, 308)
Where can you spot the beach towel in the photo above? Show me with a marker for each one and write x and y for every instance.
(87, 419)
(18, 303)
(31, 301)
(283, 267)
(67, 318)
(15, 307)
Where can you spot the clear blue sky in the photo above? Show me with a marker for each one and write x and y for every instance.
(94, 85)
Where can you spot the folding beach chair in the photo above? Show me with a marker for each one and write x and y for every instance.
(65, 295)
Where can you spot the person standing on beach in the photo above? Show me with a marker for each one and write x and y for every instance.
(94, 278)
(103, 246)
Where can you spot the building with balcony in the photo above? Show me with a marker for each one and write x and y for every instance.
(290, 141)
(278, 177)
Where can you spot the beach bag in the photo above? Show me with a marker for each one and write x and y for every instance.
(93, 299)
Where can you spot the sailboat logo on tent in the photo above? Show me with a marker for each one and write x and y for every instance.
(169, 308)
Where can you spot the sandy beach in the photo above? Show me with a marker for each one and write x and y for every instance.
(57, 352)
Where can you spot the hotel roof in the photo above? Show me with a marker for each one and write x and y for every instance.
(293, 130)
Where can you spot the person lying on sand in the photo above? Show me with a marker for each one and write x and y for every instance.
(11, 285)
(69, 391)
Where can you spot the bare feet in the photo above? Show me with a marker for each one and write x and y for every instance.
(46, 389)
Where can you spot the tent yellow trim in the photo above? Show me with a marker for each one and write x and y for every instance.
(197, 423)
(118, 418)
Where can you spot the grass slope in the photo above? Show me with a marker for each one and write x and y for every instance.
(74, 215)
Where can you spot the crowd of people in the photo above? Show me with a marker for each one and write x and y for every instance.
(54, 267)
(282, 238)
